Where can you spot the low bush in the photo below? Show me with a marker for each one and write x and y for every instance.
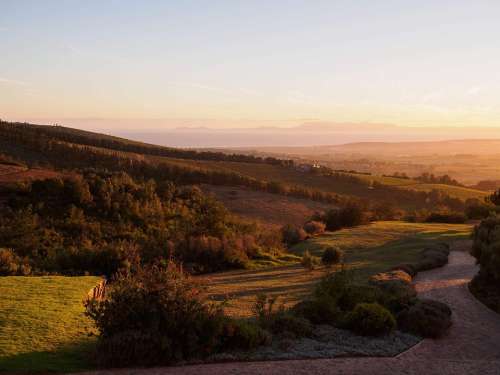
(446, 217)
(156, 316)
(280, 321)
(396, 289)
(314, 227)
(244, 335)
(292, 235)
(433, 257)
(370, 319)
(331, 256)
(335, 296)
(426, 318)
(320, 309)
(309, 261)
(349, 216)
(487, 291)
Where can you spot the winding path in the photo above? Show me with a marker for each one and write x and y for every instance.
(472, 345)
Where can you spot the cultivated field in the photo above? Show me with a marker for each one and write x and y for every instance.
(42, 326)
(369, 249)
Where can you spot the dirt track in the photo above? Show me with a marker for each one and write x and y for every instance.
(472, 346)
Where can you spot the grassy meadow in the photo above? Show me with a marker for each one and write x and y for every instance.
(42, 326)
(368, 249)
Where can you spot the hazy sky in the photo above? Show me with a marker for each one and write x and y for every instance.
(402, 62)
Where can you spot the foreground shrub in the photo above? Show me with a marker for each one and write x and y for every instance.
(280, 321)
(370, 319)
(487, 291)
(314, 227)
(427, 318)
(331, 256)
(335, 296)
(397, 292)
(154, 317)
(433, 256)
(242, 334)
(309, 261)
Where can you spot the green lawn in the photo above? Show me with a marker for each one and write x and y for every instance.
(369, 249)
(42, 326)
(374, 248)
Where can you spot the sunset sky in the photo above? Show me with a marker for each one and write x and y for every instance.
(240, 63)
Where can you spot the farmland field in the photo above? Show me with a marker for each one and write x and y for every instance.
(369, 249)
(42, 326)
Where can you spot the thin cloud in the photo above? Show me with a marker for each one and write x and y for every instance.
(9, 81)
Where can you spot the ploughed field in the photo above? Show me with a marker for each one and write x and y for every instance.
(368, 249)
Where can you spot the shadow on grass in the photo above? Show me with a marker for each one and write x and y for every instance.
(69, 358)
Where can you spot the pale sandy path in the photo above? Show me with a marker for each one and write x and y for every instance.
(472, 346)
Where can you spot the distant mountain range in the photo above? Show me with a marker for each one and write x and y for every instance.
(212, 133)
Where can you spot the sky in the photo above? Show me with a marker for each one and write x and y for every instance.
(241, 63)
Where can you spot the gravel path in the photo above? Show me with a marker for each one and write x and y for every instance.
(472, 346)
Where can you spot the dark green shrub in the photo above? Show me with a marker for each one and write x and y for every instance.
(334, 296)
(292, 235)
(244, 335)
(396, 290)
(354, 294)
(321, 309)
(331, 256)
(349, 216)
(446, 217)
(433, 256)
(477, 210)
(370, 319)
(314, 227)
(286, 323)
(279, 320)
(427, 318)
(487, 291)
(160, 310)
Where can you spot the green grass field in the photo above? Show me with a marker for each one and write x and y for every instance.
(42, 326)
(373, 248)
(369, 249)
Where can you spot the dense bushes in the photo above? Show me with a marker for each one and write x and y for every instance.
(426, 318)
(155, 316)
(314, 227)
(11, 264)
(371, 319)
(433, 256)
(102, 222)
(279, 320)
(292, 235)
(446, 217)
(486, 250)
(331, 256)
